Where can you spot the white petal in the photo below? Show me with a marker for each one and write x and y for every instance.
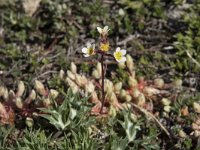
(88, 45)
(99, 30)
(93, 46)
(123, 59)
(105, 29)
(84, 50)
(86, 55)
(123, 52)
(118, 49)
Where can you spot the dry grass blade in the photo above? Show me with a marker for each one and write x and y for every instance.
(193, 60)
(153, 117)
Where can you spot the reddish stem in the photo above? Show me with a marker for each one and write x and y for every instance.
(102, 84)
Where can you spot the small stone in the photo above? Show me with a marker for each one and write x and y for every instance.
(159, 82)
(182, 134)
(196, 107)
(196, 133)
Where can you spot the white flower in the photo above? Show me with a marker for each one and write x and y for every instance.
(89, 50)
(103, 31)
(119, 55)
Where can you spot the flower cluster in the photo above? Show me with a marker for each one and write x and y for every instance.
(104, 47)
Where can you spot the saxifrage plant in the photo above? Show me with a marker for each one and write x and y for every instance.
(103, 50)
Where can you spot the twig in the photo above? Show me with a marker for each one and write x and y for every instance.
(194, 61)
(43, 74)
(129, 38)
(152, 116)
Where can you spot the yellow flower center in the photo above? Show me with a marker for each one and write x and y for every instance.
(90, 51)
(118, 55)
(104, 46)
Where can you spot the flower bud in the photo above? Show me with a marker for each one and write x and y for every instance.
(114, 101)
(73, 68)
(134, 117)
(132, 82)
(96, 74)
(46, 102)
(197, 133)
(81, 80)
(135, 93)
(118, 86)
(21, 89)
(2, 90)
(5, 94)
(40, 88)
(112, 111)
(90, 130)
(166, 115)
(113, 98)
(108, 86)
(75, 89)
(89, 87)
(99, 69)
(121, 65)
(165, 101)
(19, 103)
(61, 74)
(32, 95)
(29, 122)
(196, 107)
(123, 94)
(126, 106)
(140, 100)
(167, 108)
(121, 12)
(35, 114)
(94, 98)
(128, 98)
(70, 82)
(71, 75)
(195, 126)
(150, 91)
(53, 94)
(129, 63)
(141, 79)
(198, 122)
(72, 85)
(159, 83)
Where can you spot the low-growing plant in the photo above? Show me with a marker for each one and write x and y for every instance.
(35, 140)
(71, 114)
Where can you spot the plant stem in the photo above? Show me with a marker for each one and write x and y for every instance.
(102, 84)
